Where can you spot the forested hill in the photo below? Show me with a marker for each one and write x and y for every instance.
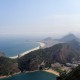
(8, 66)
(61, 53)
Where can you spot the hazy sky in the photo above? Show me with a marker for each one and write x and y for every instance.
(39, 17)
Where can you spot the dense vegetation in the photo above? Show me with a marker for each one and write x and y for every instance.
(73, 75)
(61, 53)
(8, 66)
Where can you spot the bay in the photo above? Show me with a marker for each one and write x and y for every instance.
(38, 75)
(13, 47)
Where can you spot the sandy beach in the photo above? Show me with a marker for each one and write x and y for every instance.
(9, 75)
(3, 77)
(42, 45)
(49, 71)
(52, 71)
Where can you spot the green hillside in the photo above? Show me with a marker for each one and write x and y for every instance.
(61, 53)
(8, 66)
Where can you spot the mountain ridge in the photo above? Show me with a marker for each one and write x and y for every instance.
(62, 53)
(69, 37)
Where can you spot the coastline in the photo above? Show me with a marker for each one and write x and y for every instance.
(41, 46)
(52, 71)
(2, 77)
(49, 71)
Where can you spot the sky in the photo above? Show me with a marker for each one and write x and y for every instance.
(39, 17)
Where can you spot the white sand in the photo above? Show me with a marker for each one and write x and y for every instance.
(27, 52)
(42, 45)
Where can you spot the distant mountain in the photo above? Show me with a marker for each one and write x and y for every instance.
(62, 53)
(75, 44)
(69, 37)
(49, 42)
(48, 39)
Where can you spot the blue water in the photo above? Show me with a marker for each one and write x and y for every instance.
(39, 75)
(13, 47)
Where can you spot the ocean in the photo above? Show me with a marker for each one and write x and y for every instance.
(39, 75)
(13, 47)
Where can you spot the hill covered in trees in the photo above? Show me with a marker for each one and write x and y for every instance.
(8, 66)
(62, 53)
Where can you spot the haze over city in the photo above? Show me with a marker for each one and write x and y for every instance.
(39, 17)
